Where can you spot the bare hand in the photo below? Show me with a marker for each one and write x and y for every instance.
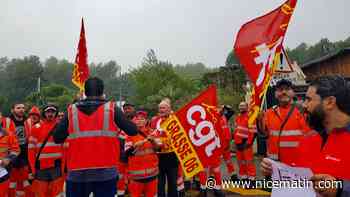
(4, 162)
(318, 183)
(266, 167)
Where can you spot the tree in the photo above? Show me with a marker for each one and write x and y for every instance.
(155, 80)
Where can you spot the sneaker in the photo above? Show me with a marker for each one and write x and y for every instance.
(182, 193)
(218, 193)
(202, 193)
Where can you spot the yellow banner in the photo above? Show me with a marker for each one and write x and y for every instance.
(182, 146)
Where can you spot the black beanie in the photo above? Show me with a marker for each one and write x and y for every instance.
(94, 87)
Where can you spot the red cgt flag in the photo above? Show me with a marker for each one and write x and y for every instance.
(81, 69)
(259, 46)
(195, 133)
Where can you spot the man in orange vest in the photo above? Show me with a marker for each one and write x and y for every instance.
(284, 125)
(168, 162)
(9, 150)
(328, 112)
(129, 112)
(33, 117)
(90, 128)
(19, 180)
(46, 157)
(244, 139)
(142, 159)
(226, 114)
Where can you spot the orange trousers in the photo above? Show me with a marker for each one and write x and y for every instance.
(4, 188)
(149, 189)
(122, 181)
(215, 171)
(245, 161)
(19, 184)
(48, 188)
(228, 161)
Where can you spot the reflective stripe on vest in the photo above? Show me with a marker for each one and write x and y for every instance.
(242, 128)
(100, 133)
(3, 149)
(144, 152)
(242, 135)
(49, 144)
(8, 123)
(287, 133)
(143, 172)
(93, 134)
(49, 155)
(289, 144)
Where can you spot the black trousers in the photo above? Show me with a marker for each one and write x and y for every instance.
(167, 175)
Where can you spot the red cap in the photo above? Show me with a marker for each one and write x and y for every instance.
(34, 111)
(142, 113)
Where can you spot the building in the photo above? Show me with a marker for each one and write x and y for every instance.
(337, 63)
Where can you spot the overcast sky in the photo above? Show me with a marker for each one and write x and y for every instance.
(180, 31)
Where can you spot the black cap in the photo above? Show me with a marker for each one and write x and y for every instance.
(283, 82)
(126, 104)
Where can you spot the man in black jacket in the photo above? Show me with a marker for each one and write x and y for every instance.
(101, 181)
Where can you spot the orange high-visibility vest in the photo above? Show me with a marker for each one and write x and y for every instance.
(92, 140)
(283, 145)
(50, 154)
(144, 163)
(8, 140)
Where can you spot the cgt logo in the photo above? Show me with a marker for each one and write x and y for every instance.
(202, 131)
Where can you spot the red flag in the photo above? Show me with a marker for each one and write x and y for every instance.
(81, 68)
(258, 46)
(195, 133)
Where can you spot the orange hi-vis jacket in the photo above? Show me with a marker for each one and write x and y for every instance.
(144, 161)
(242, 130)
(283, 144)
(50, 154)
(226, 131)
(92, 141)
(166, 143)
(330, 158)
(9, 147)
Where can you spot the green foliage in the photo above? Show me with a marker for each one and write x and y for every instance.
(155, 80)
(58, 94)
(305, 53)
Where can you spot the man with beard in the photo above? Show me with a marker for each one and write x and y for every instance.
(284, 125)
(129, 110)
(19, 183)
(46, 157)
(328, 108)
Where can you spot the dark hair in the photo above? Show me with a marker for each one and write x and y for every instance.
(94, 87)
(336, 86)
(17, 103)
(283, 82)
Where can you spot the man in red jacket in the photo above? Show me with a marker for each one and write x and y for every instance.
(328, 108)
(46, 157)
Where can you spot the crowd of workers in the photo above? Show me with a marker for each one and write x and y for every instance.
(96, 147)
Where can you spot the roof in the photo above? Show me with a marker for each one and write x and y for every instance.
(326, 57)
